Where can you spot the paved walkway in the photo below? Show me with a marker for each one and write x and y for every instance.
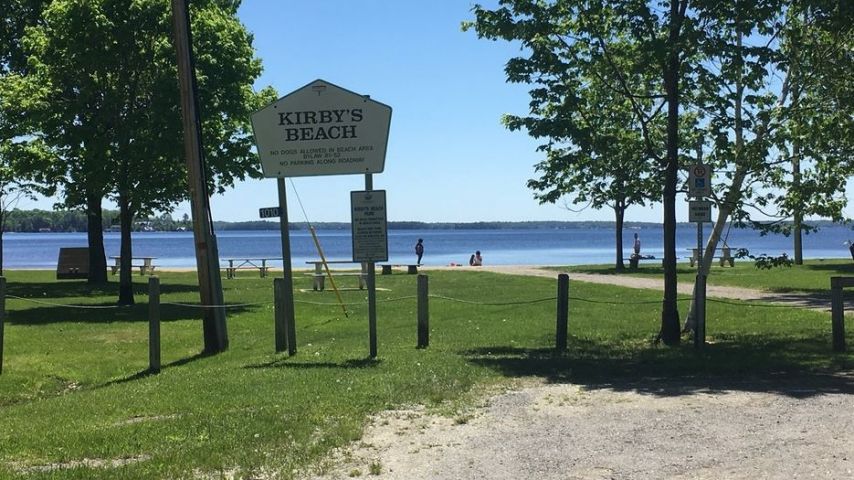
(804, 300)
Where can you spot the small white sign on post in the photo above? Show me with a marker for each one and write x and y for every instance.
(370, 226)
(700, 211)
(322, 129)
(699, 180)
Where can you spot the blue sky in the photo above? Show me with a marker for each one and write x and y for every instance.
(449, 158)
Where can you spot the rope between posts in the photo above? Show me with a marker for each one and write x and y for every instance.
(524, 302)
(230, 305)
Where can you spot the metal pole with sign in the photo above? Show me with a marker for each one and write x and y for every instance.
(370, 243)
(700, 211)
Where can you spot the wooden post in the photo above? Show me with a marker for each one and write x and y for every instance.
(2, 317)
(280, 317)
(287, 290)
(562, 311)
(837, 314)
(207, 261)
(423, 313)
(154, 324)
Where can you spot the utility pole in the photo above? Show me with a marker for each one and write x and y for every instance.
(207, 255)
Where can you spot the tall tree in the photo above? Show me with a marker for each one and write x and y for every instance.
(573, 35)
(595, 152)
(109, 101)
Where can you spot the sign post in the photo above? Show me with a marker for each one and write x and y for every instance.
(700, 211)
(323, 129)
(370, 243)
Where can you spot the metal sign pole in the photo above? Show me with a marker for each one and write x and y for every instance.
(372, 290)
(288, 271)
(700, 293)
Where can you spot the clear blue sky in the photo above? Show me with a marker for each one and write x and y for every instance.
(449, 158)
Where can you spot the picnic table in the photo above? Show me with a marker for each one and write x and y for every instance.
(724, 257)
(319, 276)
(145, 264)
(235, 264)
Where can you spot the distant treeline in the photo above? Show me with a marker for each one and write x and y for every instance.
(75, 221)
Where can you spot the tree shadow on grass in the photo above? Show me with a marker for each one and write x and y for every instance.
(49, 314)
(289, 363)
(66, 289)
(797, 368)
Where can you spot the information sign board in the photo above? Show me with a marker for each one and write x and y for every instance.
(370, 226)
(699, 180)
(269, 212)
(700, 211)
(322, 129)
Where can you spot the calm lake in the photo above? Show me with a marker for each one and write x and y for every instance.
(565, 246)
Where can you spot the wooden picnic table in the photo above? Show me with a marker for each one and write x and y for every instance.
(319, 276)
(724, 257)
(235, 264)
(145, 268)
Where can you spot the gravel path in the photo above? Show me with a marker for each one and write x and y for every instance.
(755, 428)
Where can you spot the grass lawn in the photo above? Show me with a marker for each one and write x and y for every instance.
(75, 401)
(813, 276)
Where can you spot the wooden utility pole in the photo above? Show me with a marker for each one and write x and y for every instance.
(207, 256)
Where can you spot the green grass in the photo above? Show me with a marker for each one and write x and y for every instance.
(813, 276)
(74, 385)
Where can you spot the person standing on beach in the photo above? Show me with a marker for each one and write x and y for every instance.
(637, 245)
(419, 249)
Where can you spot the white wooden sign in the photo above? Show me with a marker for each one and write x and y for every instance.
(700, 211)
(322, 129)
(370, 226)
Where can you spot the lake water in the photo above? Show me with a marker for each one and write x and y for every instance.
(566, 246)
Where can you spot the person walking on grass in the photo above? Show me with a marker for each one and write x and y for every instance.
(419, 249)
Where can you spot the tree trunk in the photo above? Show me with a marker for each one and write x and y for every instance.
(125, 273)
(669, 309)
(95, 237)
(799, 216)
(619, 214)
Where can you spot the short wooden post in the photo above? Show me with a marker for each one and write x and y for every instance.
(837, 314)
(562, 311)
(279, 321)
(154, 324)
(423, 312)
(2, 317)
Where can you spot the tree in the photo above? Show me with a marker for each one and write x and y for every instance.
(594, 149)
(105, 93)
(573, 35)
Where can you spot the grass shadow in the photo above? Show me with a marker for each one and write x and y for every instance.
(797, 368)
(148, 373)
(46, 315)
(291, 363)
(65, 289)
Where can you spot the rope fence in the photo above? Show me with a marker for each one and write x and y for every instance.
(285, 333)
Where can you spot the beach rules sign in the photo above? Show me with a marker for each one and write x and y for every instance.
(322, 129)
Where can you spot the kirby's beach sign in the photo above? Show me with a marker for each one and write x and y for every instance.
(322, 129)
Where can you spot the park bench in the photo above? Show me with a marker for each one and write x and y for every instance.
(319, 275)
(144, 264)
(411, 269)
(260, 264)
(73, 263)
(635, 259)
